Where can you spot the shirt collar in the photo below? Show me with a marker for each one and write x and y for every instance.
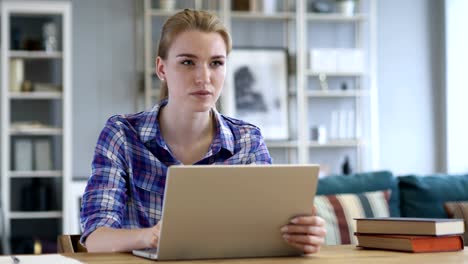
(150, 129)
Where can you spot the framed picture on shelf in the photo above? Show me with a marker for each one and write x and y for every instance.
(256, 89)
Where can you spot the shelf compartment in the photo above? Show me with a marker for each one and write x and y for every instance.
(36, 95)
(262, 16)
(335, 17)
(342, 143)
(28, 231)
(166, 13)
(31, 196)
(36, 174)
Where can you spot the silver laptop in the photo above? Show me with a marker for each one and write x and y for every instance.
(231, 211)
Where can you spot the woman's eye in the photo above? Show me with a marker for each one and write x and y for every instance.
(217, 63)
(188, 62)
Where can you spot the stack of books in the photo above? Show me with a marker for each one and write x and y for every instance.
(410, 234)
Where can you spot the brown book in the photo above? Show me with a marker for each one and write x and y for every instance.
(410, 226)
(408, 243)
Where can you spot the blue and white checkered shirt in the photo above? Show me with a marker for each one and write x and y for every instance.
(131, 159)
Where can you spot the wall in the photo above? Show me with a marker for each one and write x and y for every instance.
(456, 92)
(409, 82)
(104, 71)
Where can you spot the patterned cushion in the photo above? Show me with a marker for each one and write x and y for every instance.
(458, 210)
(363, 182)
(339, 212)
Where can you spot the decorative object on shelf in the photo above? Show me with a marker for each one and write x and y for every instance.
(15, 38)
(323, 82)
(336, 60)
(167, 5)
(319, 6)
(257, 81)
(47, 87)
(16, 74)
(27, 86)
(342, 124)
(349, 60)
(36, 196)
(323, 60)
(240, 5)
(269, 6)
(319, 134)
(344, 86)
(346, 7)
(346, 167)
(42, 154)
(255, 6)
(23, 154)
(49, 35)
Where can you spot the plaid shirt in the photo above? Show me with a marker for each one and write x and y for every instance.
(130, 163)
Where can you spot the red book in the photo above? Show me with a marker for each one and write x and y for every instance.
(411, 243)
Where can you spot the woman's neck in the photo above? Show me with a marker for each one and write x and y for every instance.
(188, 134)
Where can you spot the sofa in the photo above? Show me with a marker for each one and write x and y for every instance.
(341, 198)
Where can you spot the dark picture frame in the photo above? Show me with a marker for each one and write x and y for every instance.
(257, 81)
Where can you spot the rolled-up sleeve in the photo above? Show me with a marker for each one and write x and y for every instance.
(104, 200)
(259, 154)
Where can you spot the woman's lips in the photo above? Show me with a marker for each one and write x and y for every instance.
(201, 93)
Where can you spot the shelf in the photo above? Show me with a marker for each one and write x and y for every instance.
(262, 16)
(36, 215)
(335, 17)
(36, 174)
(335, 74)
(24, 54)
(281, 144)
(335, 143)
(336, 93)
(36, 131)
(36, 95)
(166, 13)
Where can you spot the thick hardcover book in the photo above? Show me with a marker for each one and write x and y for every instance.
(408, 243)
(410, 226)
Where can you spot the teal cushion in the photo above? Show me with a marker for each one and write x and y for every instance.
(363, 182)
(424, 196)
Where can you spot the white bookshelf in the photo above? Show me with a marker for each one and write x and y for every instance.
(58, 112)
(297, 23)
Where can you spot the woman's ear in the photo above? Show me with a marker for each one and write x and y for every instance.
(161, 68)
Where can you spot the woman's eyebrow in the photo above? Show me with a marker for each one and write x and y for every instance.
(187, 55)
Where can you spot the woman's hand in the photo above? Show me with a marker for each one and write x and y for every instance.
(151, 236)
(306, 233)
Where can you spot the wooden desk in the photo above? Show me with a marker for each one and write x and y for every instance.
(328, 254)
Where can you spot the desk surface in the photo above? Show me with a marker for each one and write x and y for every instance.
(328, 254)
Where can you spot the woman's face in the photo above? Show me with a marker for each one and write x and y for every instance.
(194, 70)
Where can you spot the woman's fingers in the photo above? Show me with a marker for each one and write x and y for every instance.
(307, 249)
(308, 220)
(304, 239)
(304, 229)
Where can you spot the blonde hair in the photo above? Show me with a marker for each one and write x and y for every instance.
(184, 21)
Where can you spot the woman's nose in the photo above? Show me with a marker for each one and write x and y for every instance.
(203, 74)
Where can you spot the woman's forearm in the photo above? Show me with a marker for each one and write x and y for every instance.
(105, 239)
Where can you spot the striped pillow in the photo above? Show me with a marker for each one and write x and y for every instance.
(339, 212)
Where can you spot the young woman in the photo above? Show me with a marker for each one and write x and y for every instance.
(123, 199)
